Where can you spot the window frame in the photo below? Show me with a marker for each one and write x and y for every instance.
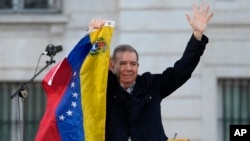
(20, 119)
(18, 8)
(231, 92)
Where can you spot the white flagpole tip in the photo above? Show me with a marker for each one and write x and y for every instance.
(109, 23)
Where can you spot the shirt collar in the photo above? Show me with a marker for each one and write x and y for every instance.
(130, 88)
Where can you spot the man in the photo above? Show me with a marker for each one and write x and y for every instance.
(133, 101)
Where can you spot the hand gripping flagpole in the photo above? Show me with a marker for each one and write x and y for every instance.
(21, 90)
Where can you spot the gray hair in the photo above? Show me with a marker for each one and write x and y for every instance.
(123, 48)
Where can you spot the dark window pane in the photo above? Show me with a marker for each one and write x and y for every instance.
(33, 109)
(235, 103)
(5, 116)
(30, 6)
(5, 4)
(36, 4)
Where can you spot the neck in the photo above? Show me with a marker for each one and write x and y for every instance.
(126, 86)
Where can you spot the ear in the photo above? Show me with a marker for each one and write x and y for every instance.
(111, 64)
(112, 67)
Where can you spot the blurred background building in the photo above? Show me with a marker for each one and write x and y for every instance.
(217, 95)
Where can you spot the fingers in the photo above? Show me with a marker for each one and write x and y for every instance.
(201, 9)
(194, 8)
(205, 14)
(206, 10)
(96, 23)
(210, 16)
(188, 18)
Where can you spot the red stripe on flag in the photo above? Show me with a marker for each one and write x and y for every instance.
(60, 76)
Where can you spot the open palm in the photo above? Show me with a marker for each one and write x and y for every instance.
(200, 18)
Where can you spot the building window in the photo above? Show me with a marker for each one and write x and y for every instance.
(30, 6)
(235, 104)
(14, 110)
(5, 4)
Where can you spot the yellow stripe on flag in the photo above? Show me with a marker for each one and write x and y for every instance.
(93, 77)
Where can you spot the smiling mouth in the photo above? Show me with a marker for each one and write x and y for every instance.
(127, 75)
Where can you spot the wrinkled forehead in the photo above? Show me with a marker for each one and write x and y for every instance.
(129, 56)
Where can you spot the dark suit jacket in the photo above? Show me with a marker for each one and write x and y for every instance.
(138, 115)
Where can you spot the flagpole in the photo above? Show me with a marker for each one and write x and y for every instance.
(22, 93)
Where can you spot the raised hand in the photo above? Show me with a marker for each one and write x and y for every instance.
(201, 17)
(96, 23)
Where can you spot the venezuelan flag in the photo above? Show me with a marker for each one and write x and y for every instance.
(76, 91)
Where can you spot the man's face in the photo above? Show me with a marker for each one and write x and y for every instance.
(125, 67)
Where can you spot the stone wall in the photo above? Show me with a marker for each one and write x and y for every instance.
(158, 29)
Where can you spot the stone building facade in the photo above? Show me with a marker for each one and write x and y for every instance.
(158, 29)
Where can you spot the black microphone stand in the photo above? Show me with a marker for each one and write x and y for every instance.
(22, 92)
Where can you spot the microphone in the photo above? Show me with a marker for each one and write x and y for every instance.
(51, 50)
